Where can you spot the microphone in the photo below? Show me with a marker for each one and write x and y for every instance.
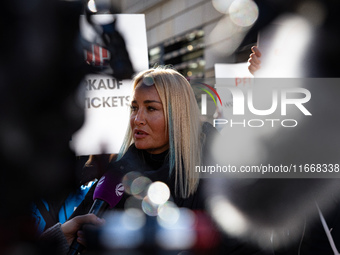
(108, 193)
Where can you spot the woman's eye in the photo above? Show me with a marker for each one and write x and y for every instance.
(133, 108)
(150, 108)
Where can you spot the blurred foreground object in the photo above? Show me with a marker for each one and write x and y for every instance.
(174, 230)
(41, 66)
(282, 213)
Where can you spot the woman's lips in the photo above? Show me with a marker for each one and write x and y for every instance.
(140, 134)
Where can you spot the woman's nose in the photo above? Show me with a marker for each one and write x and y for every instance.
(140, 118)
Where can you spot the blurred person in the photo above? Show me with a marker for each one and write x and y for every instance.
(51, 217)
(47, 212)
(165, 141)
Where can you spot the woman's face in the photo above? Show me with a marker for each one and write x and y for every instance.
(147, 120)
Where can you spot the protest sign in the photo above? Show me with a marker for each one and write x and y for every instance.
(107, 99)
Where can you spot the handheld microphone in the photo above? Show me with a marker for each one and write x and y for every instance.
(108, 193)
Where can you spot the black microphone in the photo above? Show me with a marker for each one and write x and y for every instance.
(108, 193)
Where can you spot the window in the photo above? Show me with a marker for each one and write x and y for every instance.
(185, 53)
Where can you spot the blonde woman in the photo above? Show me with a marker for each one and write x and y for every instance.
(165, 137)
(165, 120)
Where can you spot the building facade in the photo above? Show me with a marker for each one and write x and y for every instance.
(191, 35)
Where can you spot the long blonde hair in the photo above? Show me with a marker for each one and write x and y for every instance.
(183, 125)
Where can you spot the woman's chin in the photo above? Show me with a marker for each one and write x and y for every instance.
(141, 146)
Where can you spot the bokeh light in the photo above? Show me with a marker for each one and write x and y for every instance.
(139, 187)
(128, 180)
(91, 5)
(123, 229)
(179, 235)
(226, 36)
(168, 214)
(133, 219)
(243, 13)
(222, 5)
(148, 207)
(227, 216)
(158, 193)
(148, 80)
(133, 202)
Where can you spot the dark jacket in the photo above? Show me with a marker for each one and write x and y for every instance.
(156, 168)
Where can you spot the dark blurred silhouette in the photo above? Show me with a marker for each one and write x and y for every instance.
(41, 66)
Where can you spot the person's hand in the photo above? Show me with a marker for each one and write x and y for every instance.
(254, 61)
(72, 227)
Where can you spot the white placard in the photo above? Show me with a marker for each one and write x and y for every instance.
(107, 99)
(238, 70)
(230, 75)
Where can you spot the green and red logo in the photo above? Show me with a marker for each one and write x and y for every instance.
(204, 97)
